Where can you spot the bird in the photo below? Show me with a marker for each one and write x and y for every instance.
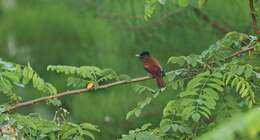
(152, 66)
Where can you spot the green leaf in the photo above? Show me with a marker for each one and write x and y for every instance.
(177, 60)
(89, 127)
(216, 86)
(150, 8)
(196, 117)
(79, 138)
(77, 82)
(244, 93)
(248, 71)
(243, 86)
(130, 114)
(201, 3)
(217, 75)
(234, 82)
(69, 133)
(147, 137)
(162, 1)
(89, 134)
(212, 93)
(195, 82)
(12, 76)
(138, 112)
(205, 109)
(211, 104)
(26, 72)
(239, 84)
(166, 128)
(192, 60)
(188, 101)
(229, 76)
(217, 81)
(188, 93)
(175, 85)
(146, 126)
(240, 70)
(183, 3)
(204, 114)
(169, 109)
(244, 125)
(165, 122)
(188, 111)
(204, 74)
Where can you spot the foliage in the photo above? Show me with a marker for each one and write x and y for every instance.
(201, 95)
(205, 82)
(141, 133)
(233, 84)
(141, 105)
(242, 126)
(152, 5)
(33, 127)
(83, 75)
(15, 75)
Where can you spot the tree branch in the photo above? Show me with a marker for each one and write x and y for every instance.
(72, 92)
(253, 15)
(238, 53)
(207, 19)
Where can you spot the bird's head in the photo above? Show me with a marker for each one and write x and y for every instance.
(144, 56)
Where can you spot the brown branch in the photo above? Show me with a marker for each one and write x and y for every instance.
(238, 53)
(253, 15)
(72, 92)
(214, 24)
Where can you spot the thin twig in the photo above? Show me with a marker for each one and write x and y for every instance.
(207, 19)
(253, 15)
(238, 53)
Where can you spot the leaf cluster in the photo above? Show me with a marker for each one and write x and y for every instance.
(15, 75)
(81, 76)
(210, 88)
(33, 127)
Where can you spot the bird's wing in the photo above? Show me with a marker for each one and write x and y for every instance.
(155, 69)
(157, 63)
(157, 66)
(159, 71)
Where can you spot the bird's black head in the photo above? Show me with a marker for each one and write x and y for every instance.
(145, 55)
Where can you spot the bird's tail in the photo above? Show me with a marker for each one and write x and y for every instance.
(160, 81)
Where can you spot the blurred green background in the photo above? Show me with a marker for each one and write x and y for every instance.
(107, 34)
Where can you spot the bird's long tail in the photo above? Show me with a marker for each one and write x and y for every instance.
(160, 81)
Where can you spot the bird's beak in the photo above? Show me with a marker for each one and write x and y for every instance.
(137, 55)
